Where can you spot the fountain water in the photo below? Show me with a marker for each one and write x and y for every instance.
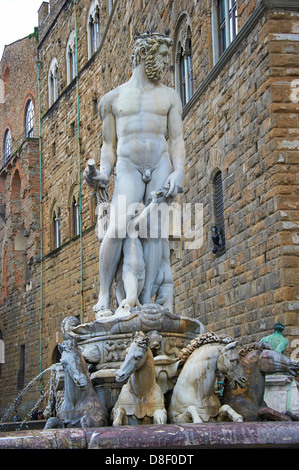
(43, 395)
(16, 402)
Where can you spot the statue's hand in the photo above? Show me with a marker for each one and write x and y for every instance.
(95, 179)
(174, 184)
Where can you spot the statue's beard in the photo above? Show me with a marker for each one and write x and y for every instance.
(153, 70)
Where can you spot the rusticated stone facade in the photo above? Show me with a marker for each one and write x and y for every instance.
(19, 223)
(240, 119)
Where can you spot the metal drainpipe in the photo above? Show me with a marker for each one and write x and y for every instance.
(41, 221)
(79, 161)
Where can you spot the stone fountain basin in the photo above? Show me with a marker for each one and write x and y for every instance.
(186, 437)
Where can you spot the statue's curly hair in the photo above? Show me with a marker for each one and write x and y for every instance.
(255, 346)
(150, 43)
(201, 340)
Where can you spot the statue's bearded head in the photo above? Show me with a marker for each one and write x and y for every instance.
(154, 50)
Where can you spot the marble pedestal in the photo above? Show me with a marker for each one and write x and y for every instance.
(104, 343)
(281, 393)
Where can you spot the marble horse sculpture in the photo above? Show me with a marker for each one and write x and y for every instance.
(141, 400)
(81, 406)
(258, 359)
(193, 398)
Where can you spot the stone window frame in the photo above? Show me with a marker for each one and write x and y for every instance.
(183, 68)
(225, 27)
(93, 29)
(7, 145)
(70, 55)
(29, 119)
(53, 82)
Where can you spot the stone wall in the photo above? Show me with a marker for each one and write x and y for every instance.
(231, 124)
(19, 226)
(245, 124)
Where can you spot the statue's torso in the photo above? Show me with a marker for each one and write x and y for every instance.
(141, 123)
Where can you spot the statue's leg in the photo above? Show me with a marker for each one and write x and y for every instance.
(129, 189)
(272, 415)
(152, 252)
(153, 247)
(118, 416)
(160, 417)
(226, 413)
(192, 414)
(54, 423)
(132, 271)
(165, 290)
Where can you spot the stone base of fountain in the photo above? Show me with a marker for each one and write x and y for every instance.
(170, 438)
(104, 342)
(25, 425)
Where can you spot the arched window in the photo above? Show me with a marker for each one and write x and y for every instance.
(52, 82)
(7, 146)
(29, 120)
(183, 59)
(71, 58)
(93, 29)
(218, 235)
(56, 229)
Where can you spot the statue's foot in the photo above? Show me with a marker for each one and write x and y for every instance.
(102, 309)
(123, 310)
(104, 312)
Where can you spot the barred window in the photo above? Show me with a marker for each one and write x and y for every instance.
(218, 229)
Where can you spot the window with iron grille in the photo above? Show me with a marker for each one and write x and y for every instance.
(218, 236)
